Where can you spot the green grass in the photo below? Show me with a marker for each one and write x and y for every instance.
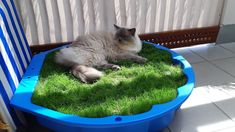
(131, 90)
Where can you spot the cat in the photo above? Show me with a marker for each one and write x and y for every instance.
(97, 50)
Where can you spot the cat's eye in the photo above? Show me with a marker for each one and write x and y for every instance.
(119, 40)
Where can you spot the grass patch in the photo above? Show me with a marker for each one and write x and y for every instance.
(131, 90)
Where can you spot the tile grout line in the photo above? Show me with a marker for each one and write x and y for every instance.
(222, 58)
(222, 111)
(214, 59)
(221, 69)
(213, 101)
(204, 59)
(192, 62)
(209, 61)
(196, 62)
(226, 48)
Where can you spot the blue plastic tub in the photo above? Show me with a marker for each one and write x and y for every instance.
(156, 119)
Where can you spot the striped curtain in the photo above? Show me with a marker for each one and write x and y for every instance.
(49, 21)
(15, 56)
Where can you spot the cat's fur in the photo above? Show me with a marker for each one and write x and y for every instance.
(97, 50)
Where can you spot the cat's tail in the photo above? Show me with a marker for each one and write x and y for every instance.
(86, 74)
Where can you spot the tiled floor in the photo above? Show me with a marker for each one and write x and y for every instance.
(211, 106)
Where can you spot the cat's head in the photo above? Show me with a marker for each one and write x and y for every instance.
(123, 35)
(127, 39)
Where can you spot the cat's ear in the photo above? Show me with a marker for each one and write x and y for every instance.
(116, 27)
(132, 31)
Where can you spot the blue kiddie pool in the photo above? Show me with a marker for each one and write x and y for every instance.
(156, 119)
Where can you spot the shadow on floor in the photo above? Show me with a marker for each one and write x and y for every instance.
(32, 125)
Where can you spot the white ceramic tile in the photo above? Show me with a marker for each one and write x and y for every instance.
(189, 55)
(229, 129)
(229, 46)
(197, 98)
(217, 93)
(212, 52)
(199, 114)
(222, 97)
(208, 74)
(229, 88)
(227, 65)
(228, 106)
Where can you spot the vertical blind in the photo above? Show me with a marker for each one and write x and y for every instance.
(49, 21)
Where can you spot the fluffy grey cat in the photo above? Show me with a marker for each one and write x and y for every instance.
(97, 50)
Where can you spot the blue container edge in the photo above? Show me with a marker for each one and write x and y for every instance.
(30, 78)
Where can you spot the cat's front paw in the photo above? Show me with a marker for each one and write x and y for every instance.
(116, 67)
(141, 60)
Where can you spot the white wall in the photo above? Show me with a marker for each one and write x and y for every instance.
(227, 28)
(49, 21)
(228, 15)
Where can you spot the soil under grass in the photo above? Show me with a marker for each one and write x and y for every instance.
(131, 90)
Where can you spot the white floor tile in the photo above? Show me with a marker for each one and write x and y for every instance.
(217, 93)
(229, 129)
(229, 89)
(229, 46)
(211, 107)
(228, 106)
(212, 52)
(222, 97)
(227, 65)
(189, 55)
(199, 114)
(207, 74)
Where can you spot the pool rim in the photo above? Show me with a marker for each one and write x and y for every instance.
(22, 97)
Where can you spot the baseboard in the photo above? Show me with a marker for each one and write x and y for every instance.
(182, 38)
(44, 47)
(170, 39)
